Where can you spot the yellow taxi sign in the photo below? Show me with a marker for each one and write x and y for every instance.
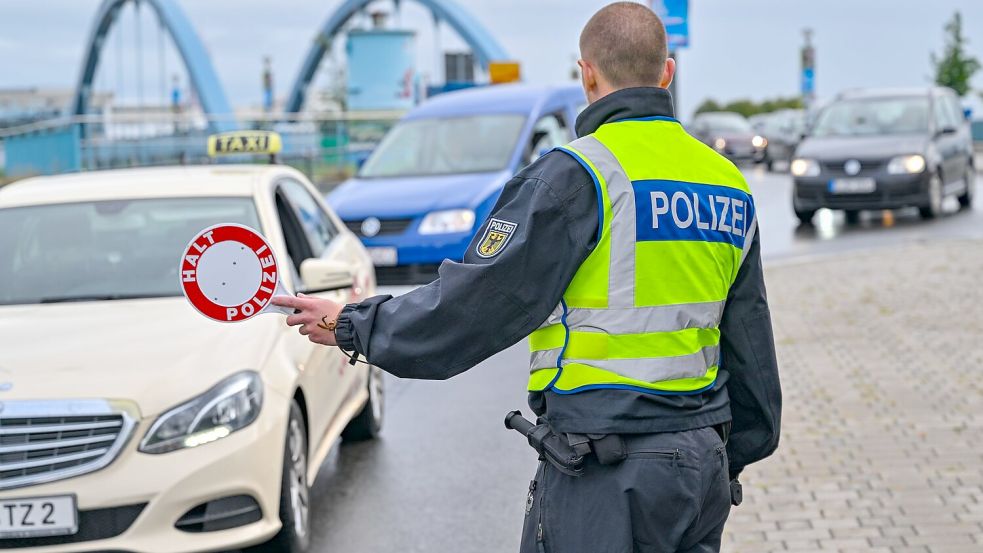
(503, 72)
(244, 142)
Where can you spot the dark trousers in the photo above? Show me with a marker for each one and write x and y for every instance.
(671, 495)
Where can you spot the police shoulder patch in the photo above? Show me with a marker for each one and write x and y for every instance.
(496, 236)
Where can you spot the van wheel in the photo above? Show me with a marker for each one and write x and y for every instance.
(805, 215)
(295, 493)
(852, 216)
(367, 424)
(966, 198)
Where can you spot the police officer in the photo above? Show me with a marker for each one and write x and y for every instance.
(630, 259)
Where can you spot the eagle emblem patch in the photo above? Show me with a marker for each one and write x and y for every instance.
(496, 236)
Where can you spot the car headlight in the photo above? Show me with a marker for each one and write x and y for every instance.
(444, 222)
(759, 141)
(902, 165)
(804, 167)
(230, 405)
(719, 144)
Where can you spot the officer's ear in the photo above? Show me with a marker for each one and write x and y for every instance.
(668, 72)
(588, 79)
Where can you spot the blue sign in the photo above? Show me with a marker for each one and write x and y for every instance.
(808, 81)
(675, 16)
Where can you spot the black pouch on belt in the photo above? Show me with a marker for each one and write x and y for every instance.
(609, 449)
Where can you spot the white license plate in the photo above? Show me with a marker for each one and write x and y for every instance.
(38, 516)
(860, 185)
(383, 257)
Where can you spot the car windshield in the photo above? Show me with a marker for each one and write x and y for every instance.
(422, 147)
(874, 116)
(105, 250)
(724, 122)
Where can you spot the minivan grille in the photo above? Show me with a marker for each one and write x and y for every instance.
(386, 226)
(45, 445)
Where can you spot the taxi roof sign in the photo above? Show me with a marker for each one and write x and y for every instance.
(244, 142)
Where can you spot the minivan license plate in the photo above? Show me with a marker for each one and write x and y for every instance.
(383, 257)
(38, 516)
(862, 185)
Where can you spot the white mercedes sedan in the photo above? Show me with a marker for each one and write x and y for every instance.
(128, 421)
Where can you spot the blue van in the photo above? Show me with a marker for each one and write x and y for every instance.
(428, 186)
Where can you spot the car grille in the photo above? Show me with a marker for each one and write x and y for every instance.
(867, 167)
(386, 226)
(47, 441)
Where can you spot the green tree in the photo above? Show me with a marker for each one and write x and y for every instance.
(708, 105)
(748, 108)
(955, 68)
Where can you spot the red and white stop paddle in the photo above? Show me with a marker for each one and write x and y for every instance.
(229, 273)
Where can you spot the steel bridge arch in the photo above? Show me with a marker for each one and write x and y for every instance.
(484, 45)
(192, 50)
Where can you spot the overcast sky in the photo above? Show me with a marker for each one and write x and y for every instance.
(739, 48)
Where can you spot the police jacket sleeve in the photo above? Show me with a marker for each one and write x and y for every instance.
(546, 226)
(748, 356)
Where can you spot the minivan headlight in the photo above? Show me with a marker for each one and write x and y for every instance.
(804, 167)
(905, 165)
(230, 405)
(447, 221)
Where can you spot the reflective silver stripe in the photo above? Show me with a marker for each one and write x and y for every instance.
(621, 274)
(748, 238)
(637, 320)
(544, 359)
(554, 318)
(658, 369)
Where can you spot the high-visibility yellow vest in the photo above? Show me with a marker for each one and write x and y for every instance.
(675, 221)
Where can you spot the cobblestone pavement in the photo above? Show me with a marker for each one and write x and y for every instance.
(882, 438)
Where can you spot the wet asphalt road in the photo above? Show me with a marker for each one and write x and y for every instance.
(446, 477)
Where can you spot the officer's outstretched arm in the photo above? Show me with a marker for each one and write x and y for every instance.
(512, 277)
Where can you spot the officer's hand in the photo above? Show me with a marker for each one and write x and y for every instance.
(311, 312)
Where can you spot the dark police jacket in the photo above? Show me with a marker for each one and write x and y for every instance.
(484, 305)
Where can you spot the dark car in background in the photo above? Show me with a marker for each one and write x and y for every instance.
(782, 131)
(729, 134)
(885, 149)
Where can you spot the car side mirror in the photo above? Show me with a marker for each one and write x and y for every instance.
(324, 275)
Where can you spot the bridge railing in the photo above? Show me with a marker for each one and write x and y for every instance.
(327, 147)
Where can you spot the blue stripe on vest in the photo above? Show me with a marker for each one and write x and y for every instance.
(674, 210)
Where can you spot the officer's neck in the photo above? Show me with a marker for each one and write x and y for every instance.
(626, 103)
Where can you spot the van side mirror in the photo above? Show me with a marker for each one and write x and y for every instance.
(323, 275)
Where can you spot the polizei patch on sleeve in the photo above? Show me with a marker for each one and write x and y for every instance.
(496, 236)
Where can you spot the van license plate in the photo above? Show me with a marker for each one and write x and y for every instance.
(383, 257)
(38, 516)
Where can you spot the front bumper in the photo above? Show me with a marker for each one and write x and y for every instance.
(891, 192)
(139, 497)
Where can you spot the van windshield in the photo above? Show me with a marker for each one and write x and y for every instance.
(445, 146)
(874, 116)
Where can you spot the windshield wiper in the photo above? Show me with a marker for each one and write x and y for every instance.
(101, 297)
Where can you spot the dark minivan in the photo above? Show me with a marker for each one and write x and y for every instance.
(885, 149)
